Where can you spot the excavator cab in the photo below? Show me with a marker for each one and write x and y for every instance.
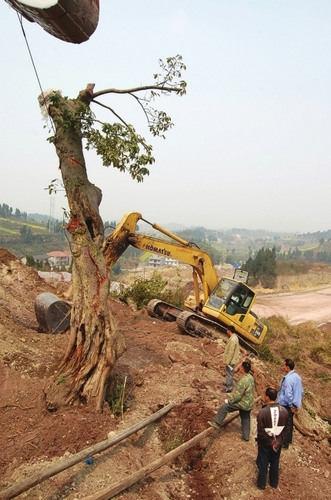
(231, 296)
(230, 303)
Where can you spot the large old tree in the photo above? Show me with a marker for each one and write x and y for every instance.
(95, 342)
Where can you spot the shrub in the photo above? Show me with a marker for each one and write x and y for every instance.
(305, 331)
(278, 328)
(174, 440)
(266, 354)
(290, 350)
(323, 375)
(263, 267)
(321, 353)
(143, 290)
(116, 399)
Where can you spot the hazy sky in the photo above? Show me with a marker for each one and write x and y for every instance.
(251, 143)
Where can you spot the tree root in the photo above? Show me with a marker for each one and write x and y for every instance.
(306, 432)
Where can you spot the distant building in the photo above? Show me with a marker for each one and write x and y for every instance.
(149, 259)
(171, 262)
(59, 259)
(156, 261)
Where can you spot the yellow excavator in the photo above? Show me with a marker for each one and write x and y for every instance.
(215, 303)
(71, 21)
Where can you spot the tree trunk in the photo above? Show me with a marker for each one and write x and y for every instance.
(94, 342)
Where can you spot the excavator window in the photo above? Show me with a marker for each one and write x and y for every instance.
(248, 300)
(221, 293)
(215, 301)
(239, 301)
(224, 288)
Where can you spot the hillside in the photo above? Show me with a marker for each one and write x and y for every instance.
(25, 237)
(159, 366)
(35, 234)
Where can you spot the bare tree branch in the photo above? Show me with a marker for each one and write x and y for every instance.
(111, 110)
(137, 89)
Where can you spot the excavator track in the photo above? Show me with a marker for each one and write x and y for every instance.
(159, 309)
(199, 326)
(191, 323)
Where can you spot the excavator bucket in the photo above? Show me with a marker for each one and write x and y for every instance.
(71, 21)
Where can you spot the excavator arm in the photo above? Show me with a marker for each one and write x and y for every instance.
(125, 234)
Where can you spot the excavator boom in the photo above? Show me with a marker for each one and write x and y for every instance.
(125, 234)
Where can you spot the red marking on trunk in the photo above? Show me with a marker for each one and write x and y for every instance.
(73, 161)
(73, 224)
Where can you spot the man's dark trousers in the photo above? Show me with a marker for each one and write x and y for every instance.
(267, 457)
(288, 438)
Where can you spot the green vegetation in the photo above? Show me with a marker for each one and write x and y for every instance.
(323, 375)
(7, 231)
(61, 379)
(291, 267)
(143, 290)
(24, 237)
(262, 268)
(266, 353)
(118, 144)
(321, 352)
(15, 226)
(117, 399)
(287, 341)
(172, 441)
(6, 211)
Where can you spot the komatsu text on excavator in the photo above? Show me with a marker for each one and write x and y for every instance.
(215, 303)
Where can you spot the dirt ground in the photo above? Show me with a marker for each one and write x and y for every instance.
(297, 307)
(159, 366)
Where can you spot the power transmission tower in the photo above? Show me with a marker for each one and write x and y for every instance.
(51, 213)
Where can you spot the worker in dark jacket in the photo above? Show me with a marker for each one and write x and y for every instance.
(272, 428)
(242, 400)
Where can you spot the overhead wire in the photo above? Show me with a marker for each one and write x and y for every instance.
(35, 69)
(32, 61)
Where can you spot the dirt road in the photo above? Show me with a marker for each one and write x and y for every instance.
(313, 305)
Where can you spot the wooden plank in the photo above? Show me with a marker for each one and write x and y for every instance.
(146, 471)
(122, 485)
(31, 481)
